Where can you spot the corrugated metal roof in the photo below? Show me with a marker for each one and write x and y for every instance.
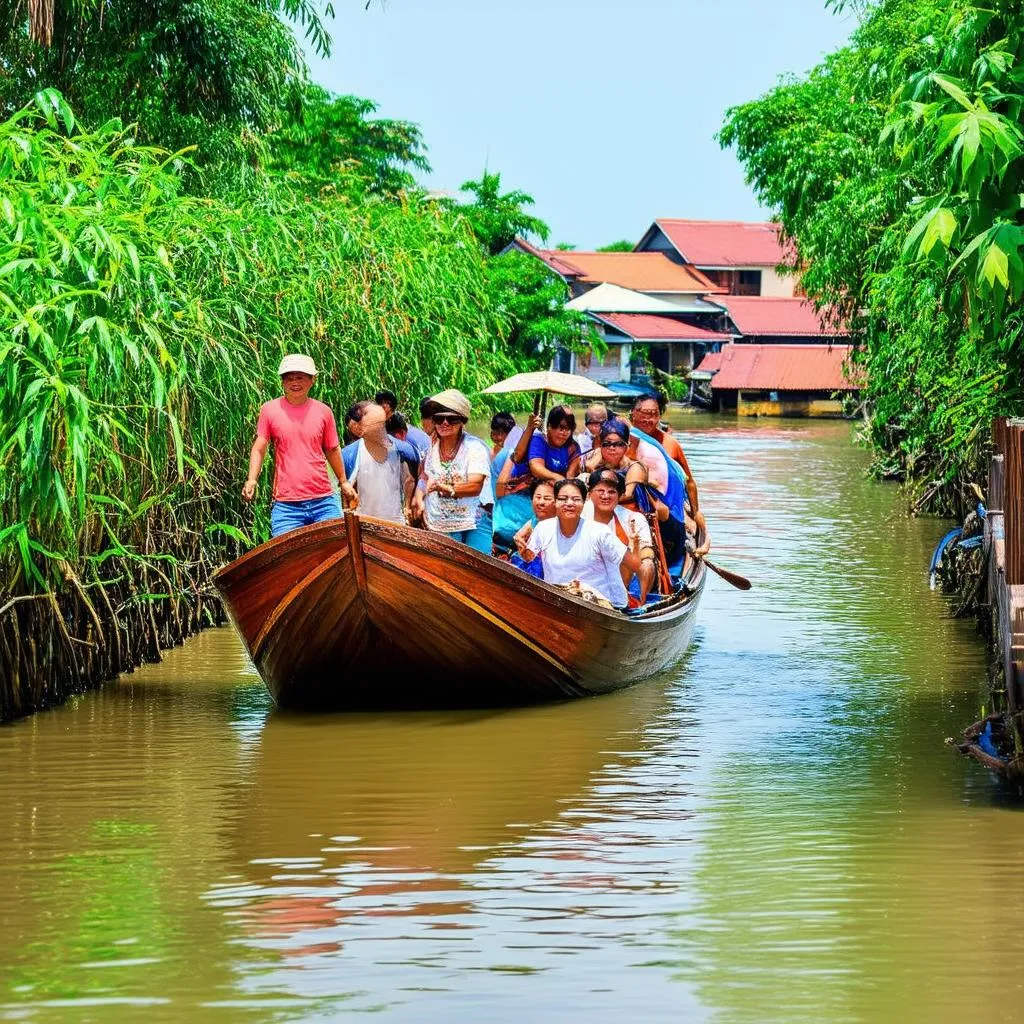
(783, 368)
(711, 363)
(724, 243)
(761, 315)
(641, 271)
(650, 327)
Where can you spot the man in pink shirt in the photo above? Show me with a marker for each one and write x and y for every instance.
(305, 439)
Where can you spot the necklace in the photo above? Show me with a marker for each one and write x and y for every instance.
(446, 460)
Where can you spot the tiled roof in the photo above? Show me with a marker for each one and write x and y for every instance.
(757, 315)
(782, 368)
(641, 271)
(724, 243)
(649, 327)
(711, 363)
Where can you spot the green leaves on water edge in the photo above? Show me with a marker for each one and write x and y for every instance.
(897, 170)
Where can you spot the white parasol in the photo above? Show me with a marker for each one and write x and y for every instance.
(548, 382)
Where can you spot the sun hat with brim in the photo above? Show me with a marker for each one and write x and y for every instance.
(451, 400)
(297, 364)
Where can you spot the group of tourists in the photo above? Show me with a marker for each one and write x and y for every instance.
(606, 511)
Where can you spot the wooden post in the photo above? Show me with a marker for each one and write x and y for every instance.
(1013, 500)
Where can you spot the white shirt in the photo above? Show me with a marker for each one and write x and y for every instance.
(629, 519)
(452, 515)
(380, 483)
(585, 440)
(591, 555)
(487, 491)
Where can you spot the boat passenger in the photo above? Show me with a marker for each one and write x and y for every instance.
(454, 473)
(593, 418)
(646, 416)
(504, 432)
(511, 501)
(416, 437)
(578, 551)
(397, 426)
(612, 453)
(553, 455)
(605, 488)
(426, 420)
(542, 501)
(382, 469)
(353, 421)
(305, 439)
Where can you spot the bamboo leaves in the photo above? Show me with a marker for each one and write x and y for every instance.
(142, 329)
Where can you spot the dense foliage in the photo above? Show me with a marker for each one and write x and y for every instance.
(209, 73)
(179, 205)
(529, 296)
(334, 141)
(142, 326)
(895, 169)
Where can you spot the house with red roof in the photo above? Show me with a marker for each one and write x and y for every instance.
(767, 320)
(740, 257)
(688, 288)
(780, 380)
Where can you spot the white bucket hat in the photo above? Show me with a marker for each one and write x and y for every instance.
(297, 364)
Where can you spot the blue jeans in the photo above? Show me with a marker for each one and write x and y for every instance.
(290, 515)
(481, 537)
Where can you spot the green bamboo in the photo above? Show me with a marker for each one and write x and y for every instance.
(142, 329)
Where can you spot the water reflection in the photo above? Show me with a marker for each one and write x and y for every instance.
(397, 829)
(775, 832)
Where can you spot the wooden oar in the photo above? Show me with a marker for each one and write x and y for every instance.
(738, 581)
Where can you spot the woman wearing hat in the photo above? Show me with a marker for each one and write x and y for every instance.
(454, 473)
(305, 439)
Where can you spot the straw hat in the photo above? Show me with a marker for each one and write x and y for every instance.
(451, 400)
(297, 364)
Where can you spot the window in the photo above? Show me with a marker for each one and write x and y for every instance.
(748, 282)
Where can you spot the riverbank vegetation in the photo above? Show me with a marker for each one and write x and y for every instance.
(895, 168)
(194, 213)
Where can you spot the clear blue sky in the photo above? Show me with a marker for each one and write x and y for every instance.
(603, 110)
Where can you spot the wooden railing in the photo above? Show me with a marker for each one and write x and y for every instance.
(1005, 534)
(1008, 438)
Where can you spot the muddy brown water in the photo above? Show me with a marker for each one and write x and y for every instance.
(772, 831)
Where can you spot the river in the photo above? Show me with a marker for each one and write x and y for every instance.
(773, 831)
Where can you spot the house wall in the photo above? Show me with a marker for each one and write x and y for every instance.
(788, 403)
(776, 285)
(614, 365)
(659, 243)
(773, 284)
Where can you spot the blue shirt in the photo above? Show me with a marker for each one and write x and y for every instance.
(555, 459)
(512, 511)
(418, 439)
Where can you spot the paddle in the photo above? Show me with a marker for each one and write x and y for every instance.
(738, 581)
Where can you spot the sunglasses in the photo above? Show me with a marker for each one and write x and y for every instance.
(445, 418)
(613, 444)
(593, 423)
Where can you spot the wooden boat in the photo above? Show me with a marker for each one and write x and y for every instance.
(358, 612)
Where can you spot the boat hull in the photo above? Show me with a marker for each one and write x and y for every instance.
(358, 612)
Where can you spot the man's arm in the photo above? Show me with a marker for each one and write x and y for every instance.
(337, 463)
(256, 456)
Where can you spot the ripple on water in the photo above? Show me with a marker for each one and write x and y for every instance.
(771, 832)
